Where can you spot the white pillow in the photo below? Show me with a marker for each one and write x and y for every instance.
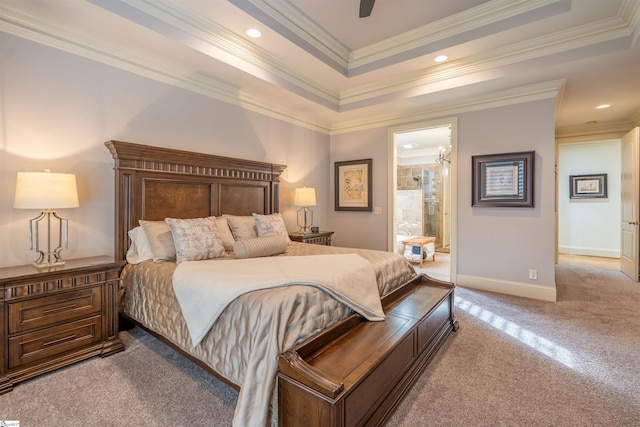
(160, 240)
(270, 225)
(224, 233)
(242, 226)
(260, 246)
(139, 250)
(195, 239)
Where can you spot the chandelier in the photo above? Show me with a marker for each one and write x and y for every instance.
(444, 155)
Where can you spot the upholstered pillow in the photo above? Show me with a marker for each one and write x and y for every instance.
(224, 233)
(270, 225)
(242, 227)
(139, 250)
(260, 246)
(160, 240)
(195, 239)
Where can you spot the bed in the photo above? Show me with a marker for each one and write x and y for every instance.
(267, 336)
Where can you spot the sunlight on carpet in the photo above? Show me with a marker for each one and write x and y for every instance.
(533, 340)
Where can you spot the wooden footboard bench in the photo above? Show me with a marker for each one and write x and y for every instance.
(356, 372)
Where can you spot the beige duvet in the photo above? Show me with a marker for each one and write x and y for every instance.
(243, 344)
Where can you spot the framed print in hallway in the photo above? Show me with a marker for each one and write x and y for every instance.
(353, 185)
(503, 180)
(588, 186)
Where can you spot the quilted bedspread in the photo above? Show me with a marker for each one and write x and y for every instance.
(243, 344)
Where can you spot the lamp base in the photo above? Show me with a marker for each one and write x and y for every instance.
(50, 258)
(48, 264)
(305, 220)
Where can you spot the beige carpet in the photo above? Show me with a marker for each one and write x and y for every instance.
(513, 362)
(438, 268)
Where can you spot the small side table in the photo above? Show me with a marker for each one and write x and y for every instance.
(319, 238)
(419, 241)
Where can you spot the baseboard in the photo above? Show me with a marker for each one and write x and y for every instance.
(576, 250)
(520, 289)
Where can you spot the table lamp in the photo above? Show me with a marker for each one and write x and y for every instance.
(305, 197)
(47, 191)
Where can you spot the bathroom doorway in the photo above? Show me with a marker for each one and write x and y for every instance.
(423, 201)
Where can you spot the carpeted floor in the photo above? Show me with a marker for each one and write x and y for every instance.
(438, 268)
(513, 362)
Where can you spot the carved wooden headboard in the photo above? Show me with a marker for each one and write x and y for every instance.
(154, 183)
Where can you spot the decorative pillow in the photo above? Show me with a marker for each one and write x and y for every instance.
(242, 227)
(139, 250)
(224, 233)
(160, 240)
(260, 246)
(195, 239)
(270, 225)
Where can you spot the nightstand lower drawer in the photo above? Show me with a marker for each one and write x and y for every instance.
(52, 309)
(36, 346)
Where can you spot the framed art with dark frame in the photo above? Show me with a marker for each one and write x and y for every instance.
(353, 185)
(503, 180)
(588, 186)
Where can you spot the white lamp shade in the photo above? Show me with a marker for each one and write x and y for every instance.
(45, 190)
(305, 196)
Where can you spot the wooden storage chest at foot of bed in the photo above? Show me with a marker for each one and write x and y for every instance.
(356, 372)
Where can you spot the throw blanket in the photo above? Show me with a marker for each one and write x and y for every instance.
(205, 288)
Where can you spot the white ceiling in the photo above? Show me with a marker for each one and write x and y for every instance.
(319, 65)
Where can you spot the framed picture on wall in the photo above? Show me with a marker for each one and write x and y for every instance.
(353, 185)
(588, 186)
(503, 180)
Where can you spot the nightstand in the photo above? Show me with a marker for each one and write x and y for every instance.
(320, 238)
(53, 317)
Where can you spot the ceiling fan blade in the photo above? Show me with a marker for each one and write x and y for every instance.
(366, 6)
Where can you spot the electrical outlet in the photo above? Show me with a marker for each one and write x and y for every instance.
(533, 274)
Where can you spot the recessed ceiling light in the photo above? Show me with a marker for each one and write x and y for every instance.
(409, 145)
(601, 106)
(441, 58)
(254, 33)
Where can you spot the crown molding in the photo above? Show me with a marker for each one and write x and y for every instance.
(281, 74)
(608, 30)
(30, 28)
(487, 17)
(270, 68)
(635, 118)
(503, 98)
(294, 25)
(630, 13)
(212, 39)
(593, 132)
(494, 15)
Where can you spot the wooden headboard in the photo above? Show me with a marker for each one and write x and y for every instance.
(154, 183)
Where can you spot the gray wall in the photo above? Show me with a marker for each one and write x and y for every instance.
(58, 110)
(496, 247)
(589, 226)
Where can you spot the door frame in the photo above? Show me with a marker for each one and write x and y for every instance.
(453, 171)
(630, 204)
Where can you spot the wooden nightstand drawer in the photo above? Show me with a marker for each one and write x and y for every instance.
(35, 346)
(40, 312)
(53, 317)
